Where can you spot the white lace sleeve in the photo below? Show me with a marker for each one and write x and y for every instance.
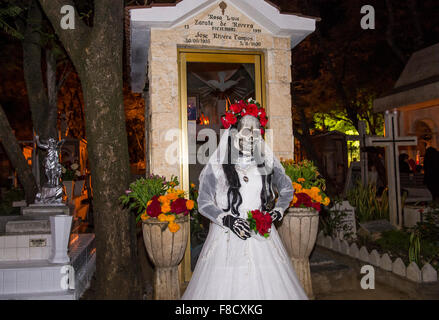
(284, 188)
(207, 204)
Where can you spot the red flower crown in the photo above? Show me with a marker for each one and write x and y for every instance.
(243, 108)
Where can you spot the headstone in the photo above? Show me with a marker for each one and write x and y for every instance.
(385, 262)
(413, 214)
(429, 274)
(28, 226)
(364, 254)
(374, 258)
(376, 227)
(413, 272)
(347, 227)
(392, 141)
(398, 267)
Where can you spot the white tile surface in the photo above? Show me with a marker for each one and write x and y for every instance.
(35, 253)
(23, 241)
(22, 254)
(10, 254)
(11, 242)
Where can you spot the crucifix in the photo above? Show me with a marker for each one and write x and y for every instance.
(392, 141)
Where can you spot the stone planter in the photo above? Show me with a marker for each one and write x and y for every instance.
(60, 226)
(166, 250)
(298, 232)
(69, 185)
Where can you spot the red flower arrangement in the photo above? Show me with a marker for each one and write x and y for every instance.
(305, 201)
(243, 108)
(260, 222)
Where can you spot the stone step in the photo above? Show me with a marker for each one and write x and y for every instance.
(59, 295)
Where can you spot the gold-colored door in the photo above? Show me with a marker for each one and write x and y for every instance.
(210, 80)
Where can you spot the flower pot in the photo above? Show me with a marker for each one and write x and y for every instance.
(69, 185)
(166, 250)
(60, 226)
(298, 232)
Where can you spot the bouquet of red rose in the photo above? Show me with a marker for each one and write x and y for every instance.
(260, 222)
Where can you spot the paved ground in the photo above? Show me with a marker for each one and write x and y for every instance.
(382, 293)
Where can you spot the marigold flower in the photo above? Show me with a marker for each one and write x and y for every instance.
(301, 180)
(149, 202)
(163, 199)
(192, 185)
(144, 216)
(166, 207)
(170, 218)
(190, 204)
(297, 187)
(172, 196)
(162, 217)
(173, 227)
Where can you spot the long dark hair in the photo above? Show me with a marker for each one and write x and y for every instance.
(233, 195)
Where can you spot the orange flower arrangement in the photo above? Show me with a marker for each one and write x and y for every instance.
(164, 201)
(308, 185)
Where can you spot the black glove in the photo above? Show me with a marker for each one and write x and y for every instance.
(276, 215)
(239, 226)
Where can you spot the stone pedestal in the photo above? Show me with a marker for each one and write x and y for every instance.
(38, 211)
(298, 232)
(166, 250)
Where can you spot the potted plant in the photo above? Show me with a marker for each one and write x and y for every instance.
(298, 229)
(164, 212)
(69, 173)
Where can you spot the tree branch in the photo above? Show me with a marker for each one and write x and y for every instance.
(75, 40)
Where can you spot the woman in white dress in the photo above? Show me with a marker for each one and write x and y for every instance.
(235, 263)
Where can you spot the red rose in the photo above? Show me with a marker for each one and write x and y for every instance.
(303, 199)
(179, 206)
(262, 113)
(262, 131)
(263, 121)
(154, 208)
(236, 108)
(225, 123)
(252, 110)
(230, 118)
(316, 206)
(262, 220)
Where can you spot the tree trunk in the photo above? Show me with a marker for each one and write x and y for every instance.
(17, 158)
(97, 56)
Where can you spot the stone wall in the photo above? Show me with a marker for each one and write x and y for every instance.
(164, 82)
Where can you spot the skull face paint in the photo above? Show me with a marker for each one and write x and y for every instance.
(248, 136)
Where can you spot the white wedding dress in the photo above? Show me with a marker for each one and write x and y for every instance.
(229, 268)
